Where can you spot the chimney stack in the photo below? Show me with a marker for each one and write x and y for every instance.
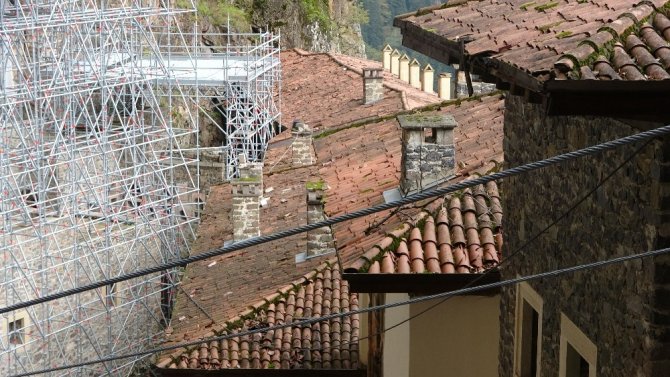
(428, 155)
(461, 85)
(415, 74)
(444, 86)
(404, 68)
(427, 76)
(301, 148)
(247, 191)
(319, 241)
(395, 64)
(386, 53)
(373, 85)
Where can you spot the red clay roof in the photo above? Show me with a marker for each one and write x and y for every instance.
(326, 90)
(331, 344)
(358, 164)
(643, 55)
(532, 36)
(458, 234)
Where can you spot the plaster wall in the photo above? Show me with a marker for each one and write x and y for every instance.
(457, 338)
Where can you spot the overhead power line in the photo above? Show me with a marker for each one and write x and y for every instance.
(306, 322)
(519, 251)
(599, 148)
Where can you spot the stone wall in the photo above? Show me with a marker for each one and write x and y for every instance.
(611, 306)
(55, 333)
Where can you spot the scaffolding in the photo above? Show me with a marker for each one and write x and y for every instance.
(244, 111)
(100, 107)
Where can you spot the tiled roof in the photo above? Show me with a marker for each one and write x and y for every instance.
(357, 164)
(326, 90)
(532, 36)
(458, 234)
(642, 55)
(331, 344)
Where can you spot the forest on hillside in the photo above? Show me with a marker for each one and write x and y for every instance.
(379, 30)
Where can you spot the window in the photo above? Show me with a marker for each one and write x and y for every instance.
(578, 355)
(527, 332)
(16, 330)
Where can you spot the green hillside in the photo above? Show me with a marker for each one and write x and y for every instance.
(379, 30)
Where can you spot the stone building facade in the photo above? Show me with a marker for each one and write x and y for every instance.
(622, 310)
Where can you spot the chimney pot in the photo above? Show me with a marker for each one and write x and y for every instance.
(427, 76)
(404, 68)
(415, 74)
(444, 90)
(428, 155)
(386, 53)
(373, 85)
(395, 62)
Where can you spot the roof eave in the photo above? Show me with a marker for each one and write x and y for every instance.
(428, 43)
(638, 100)
(421, 284)
(166, 372)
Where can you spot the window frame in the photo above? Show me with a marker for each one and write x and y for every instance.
(525, 294)
(571, 335)
(8, 321)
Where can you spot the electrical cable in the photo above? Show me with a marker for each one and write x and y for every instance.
(310, 321)
(519, 251)
(598, 148)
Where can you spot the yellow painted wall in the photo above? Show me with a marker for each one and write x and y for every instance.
(396, 341)
(458, 338)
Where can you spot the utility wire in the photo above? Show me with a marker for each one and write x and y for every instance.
(506, 260)
(645, 135)
(519, 251)
(306, 322)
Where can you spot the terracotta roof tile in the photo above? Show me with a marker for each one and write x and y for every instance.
(358, 164)
(643, 55)
(337, 82)
(457, 237)
(331, 344)
(537, 37)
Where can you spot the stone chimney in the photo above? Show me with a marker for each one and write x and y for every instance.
(415, 74)
(427, 151)
(386, 61)
(301, 148)
(373, 85)
(247, 191)
(403, 63)
(461, 85)
(319, 241)
(444, 90)
(395, 64)
(427, 76)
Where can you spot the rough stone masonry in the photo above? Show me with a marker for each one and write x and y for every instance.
(373, 85)
(319, 241)
(247, 190)
(427, 150)
(301, 148)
